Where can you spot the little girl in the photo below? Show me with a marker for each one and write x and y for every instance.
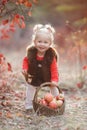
(41, 62)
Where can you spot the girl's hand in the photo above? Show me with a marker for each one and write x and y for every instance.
(54, 84)
(28, 77)
(24, 72)
(54, 89)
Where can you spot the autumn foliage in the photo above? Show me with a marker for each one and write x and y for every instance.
(12, 13)
(6, 75)
(83, 78)
(7, 82)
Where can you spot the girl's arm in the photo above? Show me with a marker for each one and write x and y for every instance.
(54, 72)
(25, 64)
(25, 68)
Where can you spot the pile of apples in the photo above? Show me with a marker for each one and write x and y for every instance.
(51, 101)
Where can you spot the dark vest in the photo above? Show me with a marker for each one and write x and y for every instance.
(40, 69)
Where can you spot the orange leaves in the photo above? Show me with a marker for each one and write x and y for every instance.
(8, 26)
(82, 78)
(4, 22)
(25, 2)
(9, 115)
(6, 79)
(5, 28)
(19, 20)
(6, 103)
(22, 25)
(35, 1)
(5, 66)
(9, 67)
(84, 67)
(1, 55)
(16, 19)
(12, 17)
(80, 85)
(22, 17)
(0, 114)
(28, 4)
(21, 1)
(3, 32)
(19, 114)
(4, 2)
(29, 13)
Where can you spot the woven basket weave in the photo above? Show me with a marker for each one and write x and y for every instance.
(45, 110)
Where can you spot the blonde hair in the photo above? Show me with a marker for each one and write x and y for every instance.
(39, 28)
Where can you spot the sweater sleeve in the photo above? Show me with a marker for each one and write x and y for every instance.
(54, 71)
(25, 64)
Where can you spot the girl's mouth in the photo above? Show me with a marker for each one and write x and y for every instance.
(42, 48)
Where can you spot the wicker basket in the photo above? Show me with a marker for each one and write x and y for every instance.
(45, 110)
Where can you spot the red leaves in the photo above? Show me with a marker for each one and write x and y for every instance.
(4, 2)
(4, 64)
(5, 28)
(28, 4)
(22, 17)
(1, 55)
(8, 26)
(17, 16)
(4, 22)
(25, 2)
(6, 103)
(15, 19)
(19, 20)
(5, 74)
(84, 67)
(29, 13)
(80, 85)
(22, 24)
(82, 78)
(0, 114)
(35, 1)
(9, 115)
(9, 67)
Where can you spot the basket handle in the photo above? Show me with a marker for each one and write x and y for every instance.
(50, 84)
(44, 85)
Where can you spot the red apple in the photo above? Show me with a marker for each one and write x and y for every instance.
(57, 97)
(53, 104)
(43, 102)
(48, 97)
(59, 103)
(61, 96)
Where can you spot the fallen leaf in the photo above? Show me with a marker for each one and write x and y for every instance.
(0, 114)
(9, 115)
(19, 114)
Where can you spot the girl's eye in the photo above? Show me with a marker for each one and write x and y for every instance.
(45, 42)
(39, 41)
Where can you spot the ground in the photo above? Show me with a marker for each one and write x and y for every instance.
(14, 117)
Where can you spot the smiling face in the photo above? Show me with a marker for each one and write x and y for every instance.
(42, 43)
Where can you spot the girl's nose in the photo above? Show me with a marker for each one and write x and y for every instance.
(42, 44)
